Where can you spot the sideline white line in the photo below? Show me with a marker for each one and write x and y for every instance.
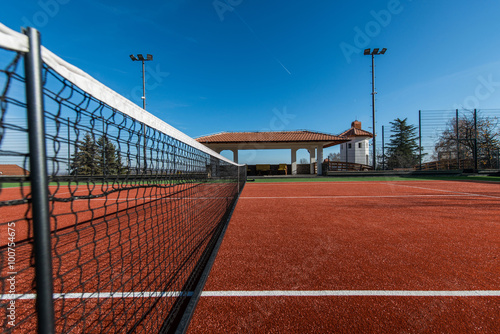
(268, 293)
(333, 183)
(354, 196)
(138, 199)
(99, 295)
(445, 191)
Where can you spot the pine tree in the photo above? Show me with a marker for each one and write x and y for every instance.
(85, 158)
(96, 158)
(403, 149)
(108, 158)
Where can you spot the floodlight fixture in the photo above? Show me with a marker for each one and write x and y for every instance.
(366, 53)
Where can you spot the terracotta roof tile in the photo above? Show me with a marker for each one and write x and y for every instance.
(354, 132)
(12, 170)
(273, 136)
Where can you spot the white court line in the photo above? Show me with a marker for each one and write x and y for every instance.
(362, 293)
(99, 295)
(446, 191)
(353, 196)
(138, 199)
(268, 293)
(294, 183)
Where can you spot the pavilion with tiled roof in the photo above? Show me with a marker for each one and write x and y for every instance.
(355, 141)
(293, 140)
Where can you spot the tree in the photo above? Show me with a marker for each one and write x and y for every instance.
(402, 150)
(303, 161)
(108, 158)
(85, 158)
(334, 157)
(96, 158)
(487, 140)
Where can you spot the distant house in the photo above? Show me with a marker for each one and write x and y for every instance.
(357, 149)
(12, 170)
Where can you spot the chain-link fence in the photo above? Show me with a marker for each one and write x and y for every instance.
(459, 139)
(466, 140)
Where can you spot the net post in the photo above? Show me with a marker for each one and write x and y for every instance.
(458, 138)
(69, 148)
(39, 183)
(383, 150)
(420, 138)
(498, 158)
(475, 142)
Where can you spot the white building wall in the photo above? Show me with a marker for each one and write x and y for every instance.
(357, 150)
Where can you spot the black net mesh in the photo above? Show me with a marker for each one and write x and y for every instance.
(133, 211)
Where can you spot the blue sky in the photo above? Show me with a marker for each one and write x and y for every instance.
(241, 65)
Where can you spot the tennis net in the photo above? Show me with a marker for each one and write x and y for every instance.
(131, 209)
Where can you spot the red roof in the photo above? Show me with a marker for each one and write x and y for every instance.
(273, 136)
(352, 132)
(356, 131)
(13, 170)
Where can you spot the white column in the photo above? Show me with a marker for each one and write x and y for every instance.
(320, 160)
(294, 161)
(235, 155)
(312, 158)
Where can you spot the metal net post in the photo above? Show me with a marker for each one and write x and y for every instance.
(39, 184)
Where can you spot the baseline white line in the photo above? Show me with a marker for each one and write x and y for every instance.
(362, 293)
(268, 293)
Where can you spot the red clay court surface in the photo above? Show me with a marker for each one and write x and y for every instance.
(111, 254)
(357, 257)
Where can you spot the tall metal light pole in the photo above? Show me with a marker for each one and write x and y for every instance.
(374, 53)
(141, 58)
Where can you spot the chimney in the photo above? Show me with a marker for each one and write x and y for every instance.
(356, 125)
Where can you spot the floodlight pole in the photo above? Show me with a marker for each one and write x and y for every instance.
(374, 53)
(373, 114)
(143, 86)
(141, 58)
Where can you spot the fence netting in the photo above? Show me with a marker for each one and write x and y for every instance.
(460, 139)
